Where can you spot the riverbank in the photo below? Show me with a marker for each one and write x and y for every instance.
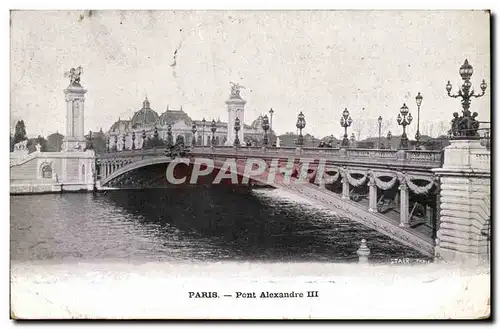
(161, 290)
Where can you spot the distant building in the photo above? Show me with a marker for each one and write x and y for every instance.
(145, 120)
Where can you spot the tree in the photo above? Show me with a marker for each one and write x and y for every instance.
(98, 142)
(54, 142)
(20, 133)
(372, 127)
(443, 128)
(358, 126)
(43, 143)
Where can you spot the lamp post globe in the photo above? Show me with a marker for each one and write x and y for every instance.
(237, 127)
(379, 120)
(265, 127)
(301, 123)
(345, 122)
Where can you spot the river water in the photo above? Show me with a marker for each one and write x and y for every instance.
(190, 224)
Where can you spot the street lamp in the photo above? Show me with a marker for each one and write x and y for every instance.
(193, 130)
(237, 127)
(271, 112)
(214, 129)
(203, 132)
(345, 121)
(389, 137)
(466, 125)
(418, 99)
(133, 140)
(379, 129)
(404, 121)
(116, 143)
(301, 123)
(265, 126)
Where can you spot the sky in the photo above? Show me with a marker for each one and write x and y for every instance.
(317, 62)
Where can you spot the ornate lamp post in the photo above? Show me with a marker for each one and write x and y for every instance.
(345, 121)
(265, 126)
(133, 140)
(301, 124)
(404, 121)
(271, 112)
(389, 137)
(353, 139)
(193, 130)
(466, 125)
(214, 129)
(237, 127)
(124, 138)
(379, 129)
(116, 143)
(418, 99)
(203, 132)
(107, 143)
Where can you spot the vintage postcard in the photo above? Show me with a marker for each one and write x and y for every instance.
(285, 164)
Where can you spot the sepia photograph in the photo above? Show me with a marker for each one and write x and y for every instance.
(250, 164)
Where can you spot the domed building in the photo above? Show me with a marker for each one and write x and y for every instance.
(146, 121)
(145, 117)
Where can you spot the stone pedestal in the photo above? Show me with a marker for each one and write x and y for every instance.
(465, 210)
(74, 139)
(363, 252)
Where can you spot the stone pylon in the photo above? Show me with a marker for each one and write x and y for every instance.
(465, 209)
(74, 139)
(235, 109)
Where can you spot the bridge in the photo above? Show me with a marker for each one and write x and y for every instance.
(393, 192)
(437, 202)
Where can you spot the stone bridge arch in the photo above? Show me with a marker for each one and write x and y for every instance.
(318, 194)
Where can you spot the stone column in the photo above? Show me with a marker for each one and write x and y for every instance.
(372, 202)
(404, 205)
(465, 206)
(345, 185)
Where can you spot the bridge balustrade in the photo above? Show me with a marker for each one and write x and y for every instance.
(429, 158)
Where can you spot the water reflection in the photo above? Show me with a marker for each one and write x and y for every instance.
(189, 223)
